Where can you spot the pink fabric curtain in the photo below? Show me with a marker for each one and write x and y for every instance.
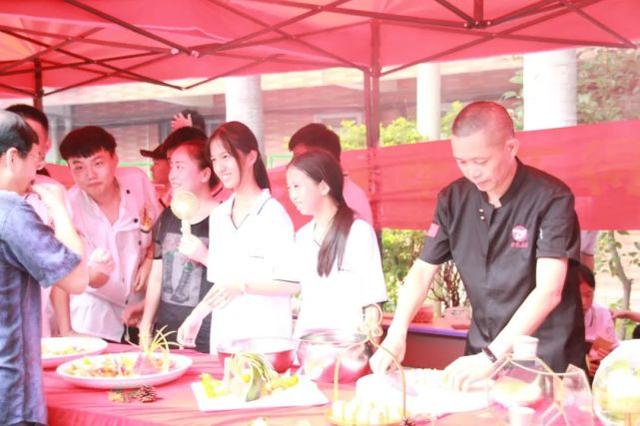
(599, 162)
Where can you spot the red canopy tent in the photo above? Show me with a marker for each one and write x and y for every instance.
(47, 46)
(61, 44)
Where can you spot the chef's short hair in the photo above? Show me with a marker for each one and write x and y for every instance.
(482, 115)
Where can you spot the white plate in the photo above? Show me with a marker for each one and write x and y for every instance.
(181, 364)
(304, 394)
(87, 346)
(425, 396)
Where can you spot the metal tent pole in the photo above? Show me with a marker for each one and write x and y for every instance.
(38, 92)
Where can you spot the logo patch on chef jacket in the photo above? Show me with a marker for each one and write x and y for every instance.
(433, 230)
(520, 237)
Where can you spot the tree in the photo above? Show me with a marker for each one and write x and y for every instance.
(619, 257)
(608, 85)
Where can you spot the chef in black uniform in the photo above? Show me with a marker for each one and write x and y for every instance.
(513, 233)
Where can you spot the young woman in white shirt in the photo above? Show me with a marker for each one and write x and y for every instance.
(340, 270)
(250, 240)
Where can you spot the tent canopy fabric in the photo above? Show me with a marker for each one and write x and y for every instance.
(61, 44)
(68, 43)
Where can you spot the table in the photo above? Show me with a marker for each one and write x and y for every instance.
(69, 405)
(423, 338)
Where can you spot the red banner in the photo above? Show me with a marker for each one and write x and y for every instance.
(600, 163)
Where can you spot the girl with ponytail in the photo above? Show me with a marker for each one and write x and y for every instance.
(250, 238)
(340, 270)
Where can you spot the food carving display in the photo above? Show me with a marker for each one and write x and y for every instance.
(247, 377)
(152, 365)
(152, 359)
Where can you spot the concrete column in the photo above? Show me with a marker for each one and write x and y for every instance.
(549, 89)
(428, 100)
(243, 102)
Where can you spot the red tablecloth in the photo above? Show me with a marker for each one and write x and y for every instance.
(69, 405)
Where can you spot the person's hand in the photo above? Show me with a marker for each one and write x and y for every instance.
(193, 248)
(602, 352)
(142, 275)
(133, 314)
(223, 293)
(619, 313)
(593, 363)
(381, 361)
(51, 195)
(102, 261)
(189, 329)
(144, 332)
(462, 372)
(180, 121)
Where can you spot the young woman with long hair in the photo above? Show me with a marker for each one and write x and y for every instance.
(250, 243)
(338, 257)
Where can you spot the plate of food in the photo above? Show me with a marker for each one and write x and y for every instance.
(250, 381)
(58, 350)
(126, 370)
(151, 365)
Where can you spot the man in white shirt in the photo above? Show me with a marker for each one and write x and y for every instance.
(599, 329)
(114, 209)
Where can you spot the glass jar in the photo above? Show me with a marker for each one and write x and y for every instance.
(616, 386)
(535, 395)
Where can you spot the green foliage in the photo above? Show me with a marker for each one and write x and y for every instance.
(447, 119)
(399, 250)
(512, 100)
(400, 131)
(352, 135)
(615, 259)
(608, 85)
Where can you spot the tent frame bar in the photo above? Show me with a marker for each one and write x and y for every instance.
(468, 24)
(110, 18)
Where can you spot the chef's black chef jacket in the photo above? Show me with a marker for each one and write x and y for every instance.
(496, 249)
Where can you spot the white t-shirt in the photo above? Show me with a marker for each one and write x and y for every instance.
(48, 320)
(98, 311)
(336, 301)
(598, 323)
(256, 250)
